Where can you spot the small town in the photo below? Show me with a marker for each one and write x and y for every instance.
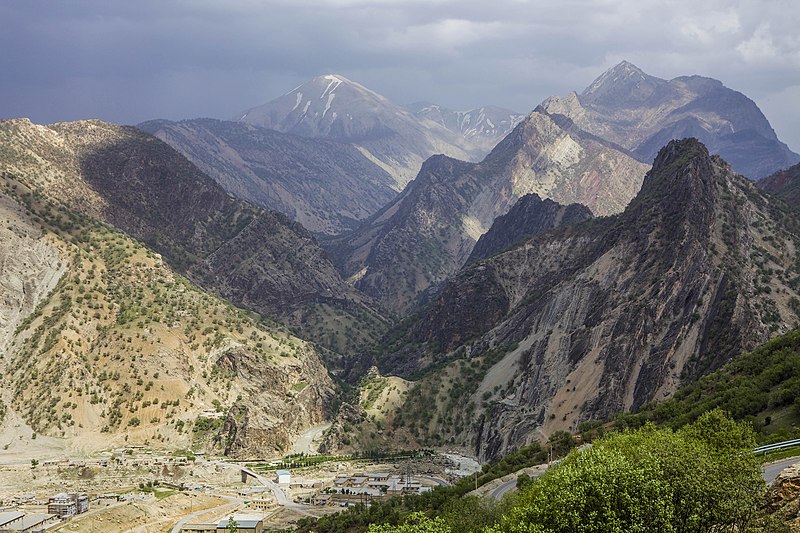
(137, 489)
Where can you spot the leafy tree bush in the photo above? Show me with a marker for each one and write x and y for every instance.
(697, 479)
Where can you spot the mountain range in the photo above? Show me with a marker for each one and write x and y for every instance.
(537, 272)
(587, 320)
(326, 186)
(397, 139)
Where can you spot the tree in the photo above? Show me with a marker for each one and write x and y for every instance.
(34, 463)
(232, 525)
(698, 479)
(415, 523)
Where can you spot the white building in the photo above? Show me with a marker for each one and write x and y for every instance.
(283, 476)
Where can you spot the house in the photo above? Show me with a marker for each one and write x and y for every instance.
(244, 524)
(63, 504)
(283, 476)
(321, 499)
(260, 504)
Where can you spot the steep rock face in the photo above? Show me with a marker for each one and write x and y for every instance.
(110, 346)
(142, 186)
(642, 113)
(483, 126)
(428, 232)
(326, 186)
(334, 107)
(587, 320)
(529, 216)
(784, 184)
(31, 266)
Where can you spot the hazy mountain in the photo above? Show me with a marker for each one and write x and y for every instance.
(142, 186)
(784, 184)
(642, 113)
(483, 126)
(590, 319)
(333, 107)
(326, 186)
(104, 345)
(529, 216)
(428, 232)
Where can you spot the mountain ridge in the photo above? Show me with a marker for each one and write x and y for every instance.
(586, 320)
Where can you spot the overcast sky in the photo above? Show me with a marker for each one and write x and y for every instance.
(128, 61)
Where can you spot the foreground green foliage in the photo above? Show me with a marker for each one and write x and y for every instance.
(697, 479)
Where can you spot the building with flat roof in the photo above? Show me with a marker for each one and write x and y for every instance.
(244, 523)
(283, 476)
(10, 517)
(64, 504)
(31, 522)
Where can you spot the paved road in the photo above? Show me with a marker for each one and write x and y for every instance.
(439, 481)
(500, 491)
(771, 470)
(219, 509)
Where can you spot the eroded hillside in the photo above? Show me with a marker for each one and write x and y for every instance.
(110, 345)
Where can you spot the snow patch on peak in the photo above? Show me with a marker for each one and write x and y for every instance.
(332, 85)
(331, 95)
(299, 100)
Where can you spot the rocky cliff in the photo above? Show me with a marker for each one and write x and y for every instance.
(324, 185)
(642, 113)
(587, 320)
(529, 216)
(785, 184)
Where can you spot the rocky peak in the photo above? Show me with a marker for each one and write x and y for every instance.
(680, 166)
(623, 83)
(529, 216)
(584, 321)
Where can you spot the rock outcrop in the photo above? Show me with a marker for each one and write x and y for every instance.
(785, 184)
(529, 216)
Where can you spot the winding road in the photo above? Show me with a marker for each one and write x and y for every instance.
(771, 470)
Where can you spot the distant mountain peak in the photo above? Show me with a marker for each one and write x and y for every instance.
(624, 77)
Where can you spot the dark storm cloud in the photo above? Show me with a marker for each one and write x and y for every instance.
(131, 61)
